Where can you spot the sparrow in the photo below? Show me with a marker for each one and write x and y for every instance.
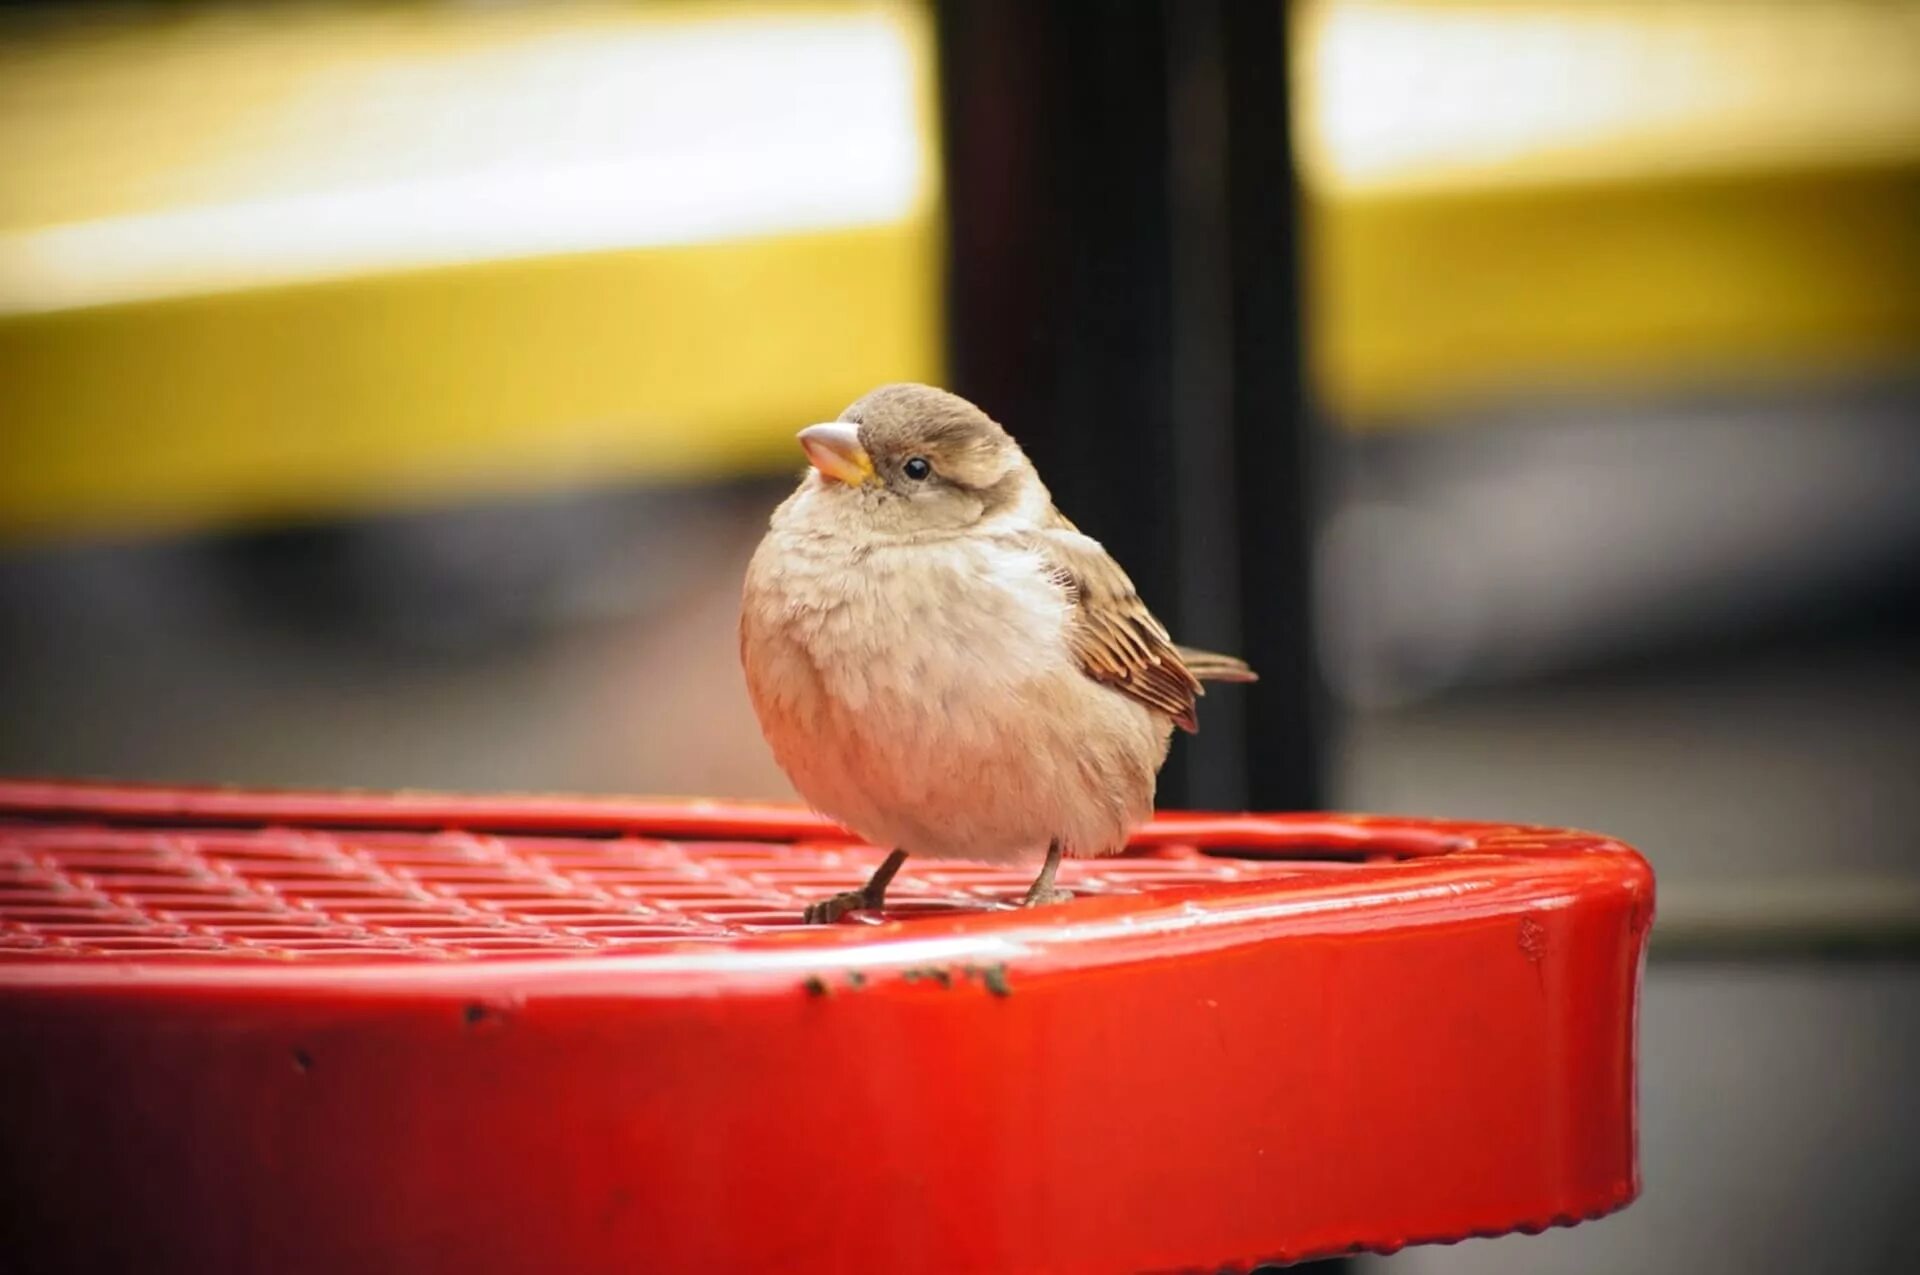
(943, 664)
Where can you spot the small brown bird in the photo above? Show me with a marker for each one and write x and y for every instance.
(943, 663)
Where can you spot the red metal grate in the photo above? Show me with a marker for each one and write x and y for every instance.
(319, 1032)
(290, 894)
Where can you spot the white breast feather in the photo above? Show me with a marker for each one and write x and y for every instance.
(925, 697)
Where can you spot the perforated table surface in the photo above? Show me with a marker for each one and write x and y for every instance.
(356, 1031)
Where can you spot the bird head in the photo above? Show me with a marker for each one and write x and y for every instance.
(913, 459)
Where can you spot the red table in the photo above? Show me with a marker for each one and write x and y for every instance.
(289, 1032)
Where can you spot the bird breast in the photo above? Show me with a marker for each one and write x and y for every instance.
(924, 695)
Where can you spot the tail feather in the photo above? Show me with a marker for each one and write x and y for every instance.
(1209, 666)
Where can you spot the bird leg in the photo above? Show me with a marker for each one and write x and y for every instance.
(871, 895)
(1043, 891)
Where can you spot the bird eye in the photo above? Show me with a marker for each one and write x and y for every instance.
(916, 468)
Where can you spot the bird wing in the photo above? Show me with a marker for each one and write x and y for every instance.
(1115, 639)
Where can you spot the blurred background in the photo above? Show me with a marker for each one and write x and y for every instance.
(390, 396)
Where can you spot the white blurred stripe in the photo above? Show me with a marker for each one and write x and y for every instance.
(1409, 94)
(656, 135)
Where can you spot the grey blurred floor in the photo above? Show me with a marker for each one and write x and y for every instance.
(167, 663)
(1780, 1120)
(1798, 762)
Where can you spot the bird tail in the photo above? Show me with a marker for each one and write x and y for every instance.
(1211, 667)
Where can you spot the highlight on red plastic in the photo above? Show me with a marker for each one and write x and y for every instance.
(331, 1031)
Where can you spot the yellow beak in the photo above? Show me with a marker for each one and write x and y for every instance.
(835, 451)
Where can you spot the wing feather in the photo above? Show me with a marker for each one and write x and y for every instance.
(1114, 637)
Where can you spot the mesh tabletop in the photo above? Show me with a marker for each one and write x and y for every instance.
(327, 1031)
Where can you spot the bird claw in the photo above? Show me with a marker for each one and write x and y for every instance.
(827, 911)
(1038, 898)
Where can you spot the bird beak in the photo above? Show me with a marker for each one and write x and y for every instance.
(835, 451)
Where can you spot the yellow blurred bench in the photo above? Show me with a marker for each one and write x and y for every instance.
(266, 263)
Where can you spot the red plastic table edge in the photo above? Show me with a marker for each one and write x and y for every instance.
(1545, 925)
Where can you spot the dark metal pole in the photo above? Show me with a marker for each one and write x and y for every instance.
(1056, 143)
(1123, 295)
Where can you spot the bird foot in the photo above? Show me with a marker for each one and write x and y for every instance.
(1039, 897)
(828, 910)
